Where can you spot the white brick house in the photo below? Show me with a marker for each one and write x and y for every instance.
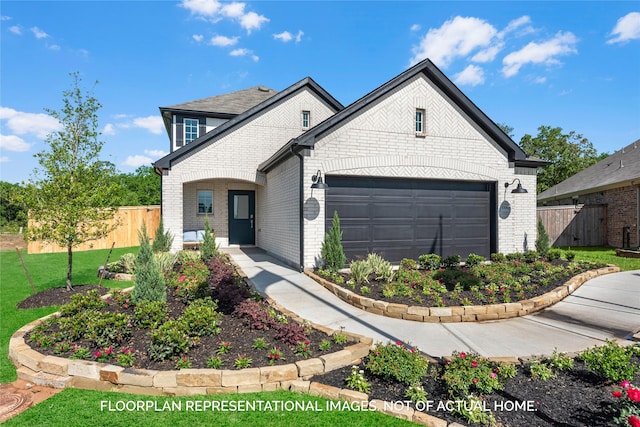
(413, 167)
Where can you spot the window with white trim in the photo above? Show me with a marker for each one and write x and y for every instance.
(190, 130)
(306, 119)
(420, 121)
(205, 202)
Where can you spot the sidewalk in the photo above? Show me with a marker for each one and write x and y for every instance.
(607, 307)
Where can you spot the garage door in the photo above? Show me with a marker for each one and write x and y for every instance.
(400, 218)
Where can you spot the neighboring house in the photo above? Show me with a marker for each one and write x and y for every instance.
(413, 167)
(614, 184)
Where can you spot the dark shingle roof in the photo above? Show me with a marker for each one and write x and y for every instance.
(616, 170)
(228, 103)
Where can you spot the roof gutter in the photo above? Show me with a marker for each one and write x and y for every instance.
(292, 148)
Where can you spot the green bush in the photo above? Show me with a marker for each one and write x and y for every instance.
(468, 373)
(452, 261)
(149, 281)
(165, 260)
(531, 256)
(80, 302)
(611, 361)
(190, 280)
(541, 370)
(108, 328)
(542, 241)
(186, 256)
(163, 239)
(515, 256)
(332, 251)
(128, 262)
(209, 248)
(382, 269)
(430, 261)
(473, 260)
(360, 271)
(570, 255)
(554, 254)
(408, 264)
(150, 314)
(201, 317)
(397, 361)
(170, 339)
(498, 257)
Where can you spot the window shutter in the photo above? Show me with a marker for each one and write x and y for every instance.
(179, 134)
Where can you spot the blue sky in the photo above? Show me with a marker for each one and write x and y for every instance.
(572, 64)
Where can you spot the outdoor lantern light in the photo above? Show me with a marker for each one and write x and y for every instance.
(518, 188)
(317, 181)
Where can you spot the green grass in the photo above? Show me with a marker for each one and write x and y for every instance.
(606, 256)
(47, 271)
(85, 405)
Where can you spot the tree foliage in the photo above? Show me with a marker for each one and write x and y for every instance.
(149, 281)
(569, 153)
(72, 194)
(140, 188)
(12, 214)
(332, 251)
(209, 248)
(542, 241)
(163, 239)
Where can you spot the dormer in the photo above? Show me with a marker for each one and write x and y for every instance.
(191, 120)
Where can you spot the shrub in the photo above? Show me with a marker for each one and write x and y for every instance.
(128, 262)
(554, 254)
(611, 361)
(515, 256)
(541, 370)
(570, 255)
(466, 373)
(531, 256)
(242, 361)
(201, 317)
(149, 281)
(170, 339)
(498, 257)
(214, 362)
(183, 362)
(360, 271)
(80, 302)
(290, 333)
(382, 269)
(542, 241)
(397, 361)
(356, 380)
(209, 248)
(150, 314)
(190, 280)
(451, 261)
(473, 260)
(165, 260)
(186, 256)
(163, 240)
(332, 251)
(408, 264)
(364, 290)
(254, 313)
(108, 328)
(430, 261)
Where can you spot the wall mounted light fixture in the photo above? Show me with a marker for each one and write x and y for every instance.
(317, 181)
(518, 189)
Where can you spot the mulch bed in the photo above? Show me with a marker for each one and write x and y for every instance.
(575, 398)
(58, 296)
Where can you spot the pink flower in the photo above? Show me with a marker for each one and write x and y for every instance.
(616, 393)
(475, 381)
(398, 343)
(474, 364)
(625, 384)
(634, 395)
(634, 421)
(493, 375)
(463, 355)
(97, 354)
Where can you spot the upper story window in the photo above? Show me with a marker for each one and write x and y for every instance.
(190, 130)
(205, 202)
(306, 119)
(420, 121)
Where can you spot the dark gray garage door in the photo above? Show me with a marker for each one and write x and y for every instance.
(399, 218)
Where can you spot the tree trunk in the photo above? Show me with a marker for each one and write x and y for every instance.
(69, 266)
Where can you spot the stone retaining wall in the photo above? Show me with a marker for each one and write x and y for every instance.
(469, 313)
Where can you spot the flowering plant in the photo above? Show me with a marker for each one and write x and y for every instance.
(104, 354)
(628, 404)
(223, 347)
(275, 355)
(190, 280)
(242, 361)
(126, 357)
(398, 361)
(356, 381)
(303, 349)
(465, 373)
(183, 362)
(416, 393)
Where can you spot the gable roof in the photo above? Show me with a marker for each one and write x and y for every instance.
(232, 103)
(617, 170)
(238, 120)
(433, 74)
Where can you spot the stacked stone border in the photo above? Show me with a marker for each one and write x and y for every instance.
(469, 313)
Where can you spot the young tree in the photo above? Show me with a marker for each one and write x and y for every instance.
(569, 153)
(542, 241)
(72, 194)
(209, 248)
(163, 239)
(149, 281)
(332, 252)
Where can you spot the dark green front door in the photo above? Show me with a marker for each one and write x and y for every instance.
(242, 205)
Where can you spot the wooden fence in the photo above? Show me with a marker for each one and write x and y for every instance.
(130, 220)
(575, 225)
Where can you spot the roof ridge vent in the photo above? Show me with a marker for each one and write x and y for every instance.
(621, 165)
(263, 89)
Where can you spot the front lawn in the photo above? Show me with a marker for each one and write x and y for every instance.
(604, 255)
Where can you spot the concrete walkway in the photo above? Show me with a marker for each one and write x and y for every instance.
(607, 307)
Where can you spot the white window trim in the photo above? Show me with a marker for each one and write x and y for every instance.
(198, 203)
(423, 123)
(184, 131)
(308, 113)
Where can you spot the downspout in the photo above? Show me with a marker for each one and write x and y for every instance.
(300, 201)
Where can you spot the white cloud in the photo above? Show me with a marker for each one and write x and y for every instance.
(198, 37)
(472, 76)
(517, 23)
(4, 159)
(627, 28)
(488, 54)
(415, 27)
(16, 29)
(109, 129)
(540, 53)
(21, 123)
(299, 36)
(5, 18)
(207, 8)
(244, 52)
(233, 10)
(137, 161)
(252, 21)
(540, 80)
(223, 41)
(457, 37)
(155, 153)
(284, 36)
(13, 143)
(39, 33)
(54, 47)
(153, 124)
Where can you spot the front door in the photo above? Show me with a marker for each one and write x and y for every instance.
(242, 205)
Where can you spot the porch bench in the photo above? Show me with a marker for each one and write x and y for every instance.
(192, 239)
